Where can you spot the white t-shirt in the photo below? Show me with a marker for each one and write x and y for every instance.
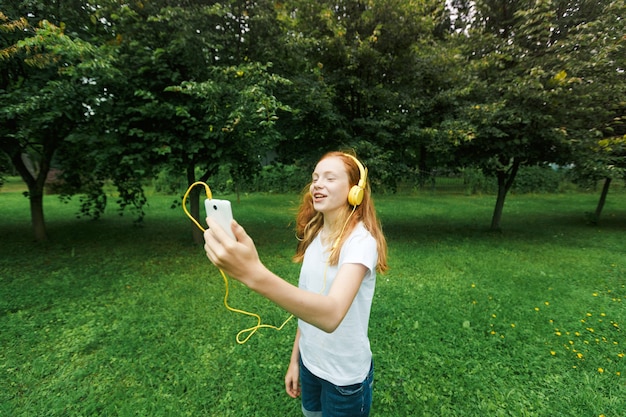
(342, 357)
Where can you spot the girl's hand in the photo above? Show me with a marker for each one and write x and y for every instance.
(237, 258)
(292, 380)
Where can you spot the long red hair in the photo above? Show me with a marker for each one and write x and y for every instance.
(309, 222)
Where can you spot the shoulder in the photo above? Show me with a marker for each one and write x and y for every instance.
(360, 234)
(360, 247)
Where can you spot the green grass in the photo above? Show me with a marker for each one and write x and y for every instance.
(112, 319)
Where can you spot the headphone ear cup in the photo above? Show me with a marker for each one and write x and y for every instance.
(355, 196)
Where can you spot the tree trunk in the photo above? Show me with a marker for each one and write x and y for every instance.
(194, 205)
(505, 182)
(600, 206)
(497, 211)
(36, 214)
(35, 181)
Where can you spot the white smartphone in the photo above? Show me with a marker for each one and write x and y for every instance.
(221, 212)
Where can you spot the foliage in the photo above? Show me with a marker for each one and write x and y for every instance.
(132, 323)
(538, 179)
(119, 92)
(517, 106)
(51, 84)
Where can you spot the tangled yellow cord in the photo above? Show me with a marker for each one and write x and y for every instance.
(259, 325)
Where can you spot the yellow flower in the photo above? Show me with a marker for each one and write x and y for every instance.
(513, 325)
(579, 355)
(536, 308)
(557, 333)
(620, 355)
(553, 353)
(600, 370)
(547, 303)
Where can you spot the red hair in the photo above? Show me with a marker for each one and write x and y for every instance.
(309, 222)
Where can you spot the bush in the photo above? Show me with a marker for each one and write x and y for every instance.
(539, 179)
(169, 182)
(281, 178)
(476, 182)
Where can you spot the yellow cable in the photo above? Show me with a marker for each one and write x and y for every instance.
(259, 325)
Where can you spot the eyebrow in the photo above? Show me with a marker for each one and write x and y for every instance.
(327, 172)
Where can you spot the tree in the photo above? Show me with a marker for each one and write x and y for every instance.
(382, 75)
(596, 62)
(521, 96)
(48, 83)
(192, 98)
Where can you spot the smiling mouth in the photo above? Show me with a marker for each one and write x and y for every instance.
(318, 196)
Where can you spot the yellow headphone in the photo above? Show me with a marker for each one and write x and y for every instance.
(355, 196)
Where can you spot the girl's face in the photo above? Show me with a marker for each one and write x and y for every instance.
(330, 186)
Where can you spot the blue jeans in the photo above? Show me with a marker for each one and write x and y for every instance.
(321, 398)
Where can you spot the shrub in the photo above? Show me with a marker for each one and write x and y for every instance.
(281, 178)
(538, 179)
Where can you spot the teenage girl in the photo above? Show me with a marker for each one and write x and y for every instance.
(341, 248)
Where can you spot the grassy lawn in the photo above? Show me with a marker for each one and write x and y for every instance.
(112, 319)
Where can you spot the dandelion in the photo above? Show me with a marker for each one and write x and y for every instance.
(620, 355)
(579, 355)
(553, 353)
(577, 334)
(513, 325)
(493, 316)
(536, 308)
(595, 294)
(473, 285)
(590, 329)
(601, 370)
(589, 314)
(547, 303)
(557, 333)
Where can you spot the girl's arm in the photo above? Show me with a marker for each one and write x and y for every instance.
(240, 260)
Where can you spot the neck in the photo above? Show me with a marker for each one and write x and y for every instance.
(334, 226)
